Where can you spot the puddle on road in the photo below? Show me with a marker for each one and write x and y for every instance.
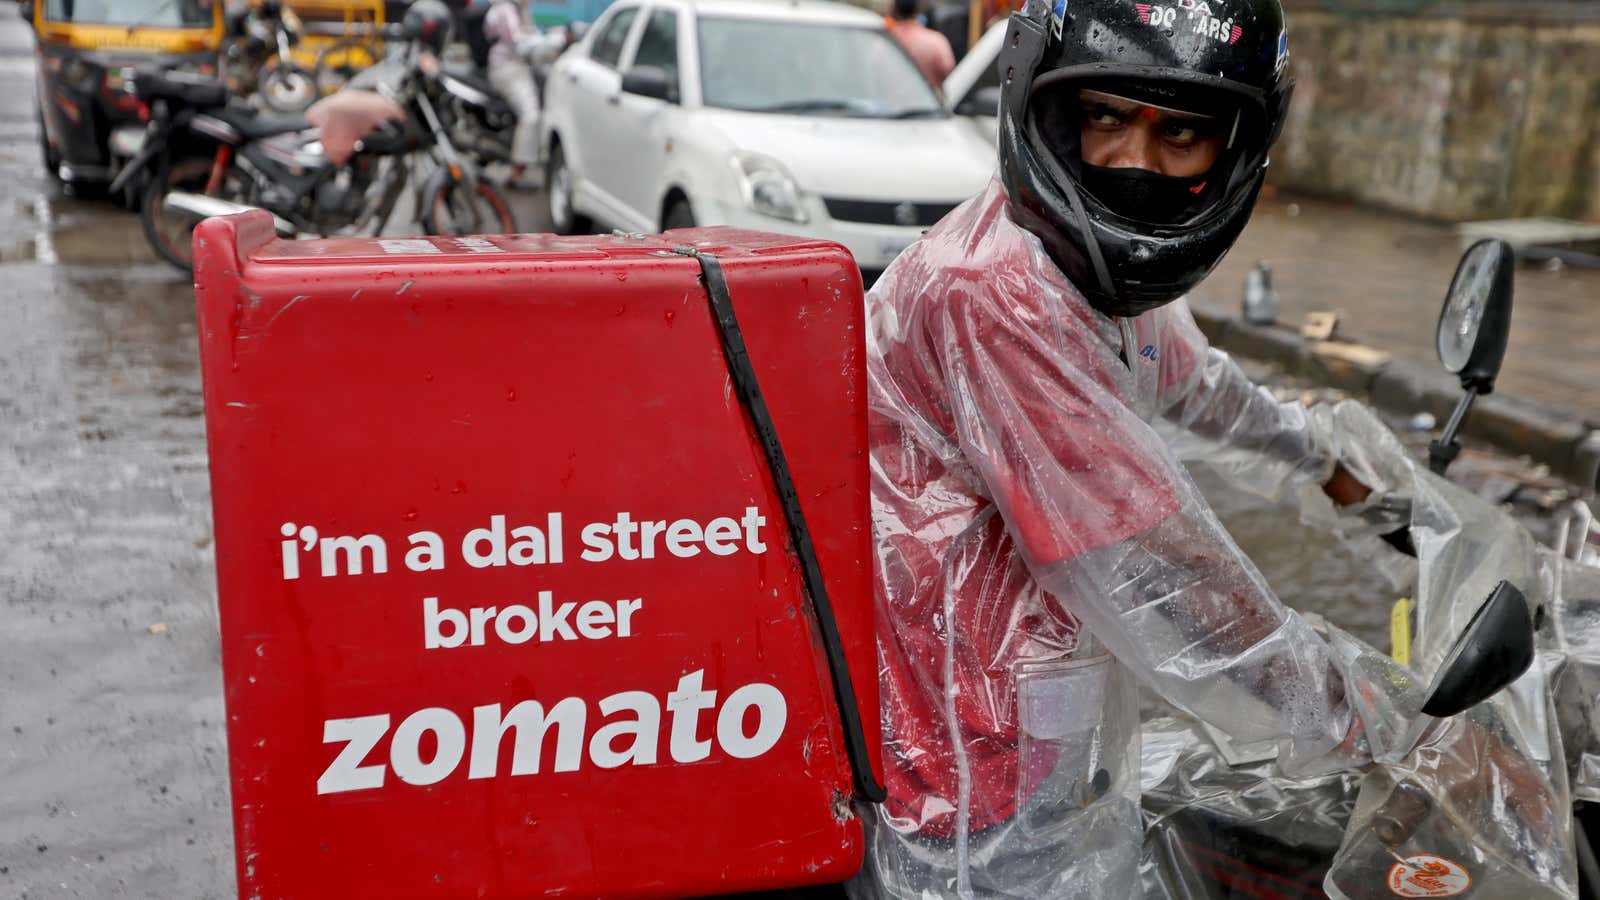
(54, 229)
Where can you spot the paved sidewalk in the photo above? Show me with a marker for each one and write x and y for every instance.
(1388, 274)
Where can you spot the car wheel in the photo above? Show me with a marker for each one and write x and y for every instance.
(50, 155)
(679, 215)
(558, 188)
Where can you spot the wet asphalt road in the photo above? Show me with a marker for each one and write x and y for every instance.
(113, 765)
(113, 774)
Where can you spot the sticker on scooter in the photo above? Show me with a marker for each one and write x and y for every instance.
(1424, 875)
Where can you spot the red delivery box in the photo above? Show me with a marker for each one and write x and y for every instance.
(526, 551)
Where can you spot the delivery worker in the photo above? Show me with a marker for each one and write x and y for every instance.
(1036, 541)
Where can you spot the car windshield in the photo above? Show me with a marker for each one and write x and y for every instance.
(133, 13)
(765, 65)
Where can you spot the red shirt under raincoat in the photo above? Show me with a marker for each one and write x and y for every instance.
(1022, 502)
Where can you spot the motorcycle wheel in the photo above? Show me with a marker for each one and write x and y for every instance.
(287, 87)
(339, 62)
(454, 210)
(171, 234)
(558, 193)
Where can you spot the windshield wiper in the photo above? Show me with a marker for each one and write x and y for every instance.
(808, 106)
(925, 112)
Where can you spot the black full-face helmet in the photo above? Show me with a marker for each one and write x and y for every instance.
(428, 23)
(1222, 58)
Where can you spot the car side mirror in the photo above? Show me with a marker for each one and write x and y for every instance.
(25, 9)
(1494, 650)
(650, 81)
(984, 101)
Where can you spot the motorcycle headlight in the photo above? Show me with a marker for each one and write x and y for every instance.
(767, 187)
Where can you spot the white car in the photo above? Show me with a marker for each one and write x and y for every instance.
(795, 116)
(973, 88)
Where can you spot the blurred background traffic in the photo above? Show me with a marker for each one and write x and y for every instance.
(860, 123)
(1417, 125)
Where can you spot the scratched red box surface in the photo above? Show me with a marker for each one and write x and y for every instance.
(475, 719)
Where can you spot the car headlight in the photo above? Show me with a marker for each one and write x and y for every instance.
(767, 187)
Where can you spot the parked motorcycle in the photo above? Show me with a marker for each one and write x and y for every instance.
(482, 121)
(207, 155)
(470, 122)
(259, 60)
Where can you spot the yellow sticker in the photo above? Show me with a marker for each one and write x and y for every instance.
(1400, 631)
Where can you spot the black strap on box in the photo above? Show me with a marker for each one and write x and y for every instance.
(749, 391)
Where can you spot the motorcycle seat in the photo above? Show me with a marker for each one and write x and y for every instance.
(153, 84)
(253, 124)
(470, 77)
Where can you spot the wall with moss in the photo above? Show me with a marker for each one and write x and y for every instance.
(1454, 112)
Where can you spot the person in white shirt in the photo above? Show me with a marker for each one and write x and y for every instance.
(510, 34)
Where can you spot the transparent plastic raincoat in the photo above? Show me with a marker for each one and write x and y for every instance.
(1022, 503)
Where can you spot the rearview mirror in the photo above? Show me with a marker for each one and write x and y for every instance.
(650, 81)
(1476, 319)
(1493, 651)
(25, 10)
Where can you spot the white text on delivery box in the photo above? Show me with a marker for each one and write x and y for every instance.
(630, 736)
(748, 722)
(624, 538)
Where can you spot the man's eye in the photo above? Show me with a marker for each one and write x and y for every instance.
(1104, 116)
(1179, 133)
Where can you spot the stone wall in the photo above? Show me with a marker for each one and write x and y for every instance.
(1456, 111)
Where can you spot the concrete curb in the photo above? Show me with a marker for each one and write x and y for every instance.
(1566, 443)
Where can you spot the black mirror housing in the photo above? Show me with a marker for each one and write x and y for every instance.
(1493, 651)
(650, 81)
(1478, 308)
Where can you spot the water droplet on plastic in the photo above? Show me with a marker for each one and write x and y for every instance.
(511, 395)
(410, 515)
(670, 315)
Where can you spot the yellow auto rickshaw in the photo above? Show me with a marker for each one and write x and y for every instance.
(88, 126)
